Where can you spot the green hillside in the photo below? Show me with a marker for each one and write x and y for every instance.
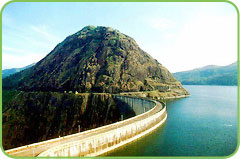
(209, 75)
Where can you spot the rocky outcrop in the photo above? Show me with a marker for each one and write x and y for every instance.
(95, 59)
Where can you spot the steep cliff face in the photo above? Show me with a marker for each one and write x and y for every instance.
(95, 59)
(37, 116)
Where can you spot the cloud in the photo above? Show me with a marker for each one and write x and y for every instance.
(42, 30)
(9, 49)
(24, 35)
(24, 44)
(8, 22)
(18, 61)
(205, 39)
(209, 39)
(161, 23)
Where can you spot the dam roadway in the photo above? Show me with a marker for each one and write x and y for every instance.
(94, 144)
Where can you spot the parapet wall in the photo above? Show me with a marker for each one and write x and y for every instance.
(106, 138)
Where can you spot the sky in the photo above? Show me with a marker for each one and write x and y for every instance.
(181, 36)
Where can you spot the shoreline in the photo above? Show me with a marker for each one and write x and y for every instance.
(177, 97)
(209, 85)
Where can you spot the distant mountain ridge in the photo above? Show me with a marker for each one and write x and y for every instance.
(209, 75)
(8, 72)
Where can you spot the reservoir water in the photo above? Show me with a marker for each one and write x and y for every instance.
(204, 124)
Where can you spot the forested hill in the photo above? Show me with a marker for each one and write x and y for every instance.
(209, 75)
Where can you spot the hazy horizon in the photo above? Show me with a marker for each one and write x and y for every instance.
(171, 72)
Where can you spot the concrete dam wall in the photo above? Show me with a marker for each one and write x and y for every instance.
(131, 106)
(95, 142)
(126, 131)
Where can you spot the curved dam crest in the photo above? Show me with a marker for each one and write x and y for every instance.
(149, 115)
(132, 106)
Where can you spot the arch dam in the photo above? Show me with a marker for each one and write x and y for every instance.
(150, 114)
